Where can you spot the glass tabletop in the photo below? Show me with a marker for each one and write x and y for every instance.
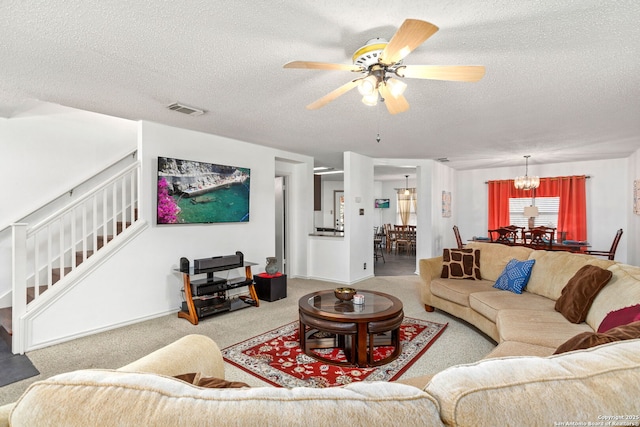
(328, 303)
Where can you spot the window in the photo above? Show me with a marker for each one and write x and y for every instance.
(572, 208)
(547, 211)
(403, 200)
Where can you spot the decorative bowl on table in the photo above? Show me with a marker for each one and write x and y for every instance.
(344, 294)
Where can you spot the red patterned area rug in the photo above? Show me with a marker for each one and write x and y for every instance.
(276, 357)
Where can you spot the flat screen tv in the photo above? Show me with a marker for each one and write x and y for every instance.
(191, 192)
(382, 204)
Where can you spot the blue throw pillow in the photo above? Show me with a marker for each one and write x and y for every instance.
(515, 276)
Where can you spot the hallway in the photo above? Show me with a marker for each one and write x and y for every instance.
(395, 265)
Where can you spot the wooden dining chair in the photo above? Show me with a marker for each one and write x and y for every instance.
(390, 238)
(539, 238)
(402, 241)
(504, 235)
(377, 245)
(413, 247)
(612, 252)
(551, 230)
(518, 232)
(456, 232)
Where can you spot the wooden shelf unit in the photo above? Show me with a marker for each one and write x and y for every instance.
(219, 292)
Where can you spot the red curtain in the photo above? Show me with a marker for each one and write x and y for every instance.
(572, 213)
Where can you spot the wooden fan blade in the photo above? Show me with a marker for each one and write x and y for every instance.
(411, 34)
(461, 73)
(394, 104)
(322, 66)
(333, 95)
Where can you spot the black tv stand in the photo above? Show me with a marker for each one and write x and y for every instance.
(210, 295)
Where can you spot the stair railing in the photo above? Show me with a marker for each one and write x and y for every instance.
(45, 253)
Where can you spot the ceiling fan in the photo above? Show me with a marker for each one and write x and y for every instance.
(380, 62)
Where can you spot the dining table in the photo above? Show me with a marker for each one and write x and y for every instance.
(566, 245)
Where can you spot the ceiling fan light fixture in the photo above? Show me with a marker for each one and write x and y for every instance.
(368, 85)
(370, 100)
(379, 58)
(396, 87)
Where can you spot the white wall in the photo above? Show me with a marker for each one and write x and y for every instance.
(608, 195)
(359, 211)
(633, 243)
(443, 178)
(343, 259)
(139, 282)
(49, 149)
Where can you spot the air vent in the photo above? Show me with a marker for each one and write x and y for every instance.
(442, 160)
(185, 109)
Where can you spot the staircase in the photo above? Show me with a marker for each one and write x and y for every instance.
(56, 250)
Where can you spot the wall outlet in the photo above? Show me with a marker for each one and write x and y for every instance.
(365, 265)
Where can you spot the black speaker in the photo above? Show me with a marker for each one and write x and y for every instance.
(218, 263)
(184, 265)
(271, 288)
(207, 263)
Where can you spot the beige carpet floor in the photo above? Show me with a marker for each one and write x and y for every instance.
(460, 342)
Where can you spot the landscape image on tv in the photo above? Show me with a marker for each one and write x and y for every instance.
(191, 192)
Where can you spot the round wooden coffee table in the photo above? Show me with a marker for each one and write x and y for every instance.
(327, 322)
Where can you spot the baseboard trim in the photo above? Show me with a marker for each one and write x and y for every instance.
(341, 282)
(99, 330)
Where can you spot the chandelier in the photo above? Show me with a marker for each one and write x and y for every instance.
(526, 182)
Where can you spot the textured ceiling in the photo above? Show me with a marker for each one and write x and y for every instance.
(562, 78)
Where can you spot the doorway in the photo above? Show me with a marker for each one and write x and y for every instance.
(281, 223)
(389, 182)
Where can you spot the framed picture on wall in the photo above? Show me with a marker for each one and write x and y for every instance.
(446, 204)
(636, 197)
(382, 203)
(191, 192)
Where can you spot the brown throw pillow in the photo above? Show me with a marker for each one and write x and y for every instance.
(580, 291)
(209, 382)
(461, 264)
(592, 339)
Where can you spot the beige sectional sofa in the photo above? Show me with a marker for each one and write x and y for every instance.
(580, 387)
(596, 385)
(527, 323)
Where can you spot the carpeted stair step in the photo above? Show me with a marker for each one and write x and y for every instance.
(55, 274)
(79, 257)
(101, 240)
(119, 227)
(31, 292)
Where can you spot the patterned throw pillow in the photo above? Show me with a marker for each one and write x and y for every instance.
(515, 276)
(461, 264)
